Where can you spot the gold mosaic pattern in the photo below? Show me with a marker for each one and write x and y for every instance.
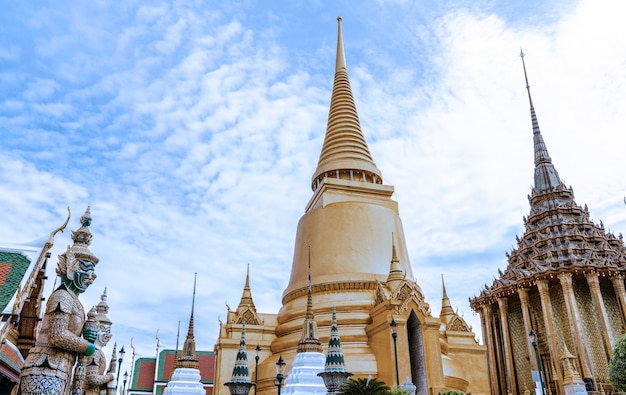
(562, 327)
(519, 340)
(592, 334)
(613, 311)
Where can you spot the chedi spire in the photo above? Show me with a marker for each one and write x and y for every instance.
(240, 383)
(345, 153)
(335, 373)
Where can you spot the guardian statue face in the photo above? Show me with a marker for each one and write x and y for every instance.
(84, 275)
(104, 335)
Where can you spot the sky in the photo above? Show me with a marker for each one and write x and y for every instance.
(193, 128)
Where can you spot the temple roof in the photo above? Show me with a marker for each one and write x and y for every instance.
(246, 311)
(344, 147)
(558, 237)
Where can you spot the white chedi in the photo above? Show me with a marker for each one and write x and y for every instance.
(302, 378)
(185, 381)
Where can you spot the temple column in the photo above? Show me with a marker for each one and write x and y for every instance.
(523, 297)
(546, 310)
(503, 305)
(596, 294)
(620, 292)
(486, 317)
(575, 323)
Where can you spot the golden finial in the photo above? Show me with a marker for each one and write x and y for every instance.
(521, 55)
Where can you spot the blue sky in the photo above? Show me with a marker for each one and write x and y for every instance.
(193, 129)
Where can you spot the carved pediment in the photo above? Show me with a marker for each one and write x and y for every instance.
(410, 292)
(458, 324)
(247, 317)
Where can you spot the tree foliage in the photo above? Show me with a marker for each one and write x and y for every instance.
(363, 386)
(617, 365)
(399, 391)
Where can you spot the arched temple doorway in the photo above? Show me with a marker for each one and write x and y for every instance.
(416, 353)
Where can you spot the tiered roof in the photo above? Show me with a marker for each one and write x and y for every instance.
(559, 235)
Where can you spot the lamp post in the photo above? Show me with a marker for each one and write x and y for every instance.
(119, 365)
(533, 339)
(125, 379)
(256, 367)
(394, 335)
(280, 370)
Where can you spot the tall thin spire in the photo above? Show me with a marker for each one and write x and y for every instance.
(345, 151)
(309, 342)
(396, 274)
(246, 296)
(546, 176)
(340, 61)
(188, 357)
(446, 306)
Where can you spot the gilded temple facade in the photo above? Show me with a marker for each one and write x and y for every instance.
(352, 237)
(564, 281)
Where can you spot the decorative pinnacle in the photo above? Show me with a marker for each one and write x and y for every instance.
(240, 371)
(340, 62)
(446, 307)
(546, 176)
(345, 149)
(188, 357)
(246, 296)
(521, 55)
(395, 270)
(193, 304)
(309, 340)
(309, 304)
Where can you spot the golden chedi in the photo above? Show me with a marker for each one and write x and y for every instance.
(352, 235)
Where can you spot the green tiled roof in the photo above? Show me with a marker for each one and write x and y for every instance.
(13, 266)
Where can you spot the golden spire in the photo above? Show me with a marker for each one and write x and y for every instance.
(309, 342)
(345, 149)
(246, 296)
(188, 358)
(446, 306)
(396, 273)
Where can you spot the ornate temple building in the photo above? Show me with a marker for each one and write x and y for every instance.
(22, 279)
(565, 282)
(352, 236)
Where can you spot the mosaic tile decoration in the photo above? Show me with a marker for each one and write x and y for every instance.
(519, 340)
(592, 335)
(613, 311)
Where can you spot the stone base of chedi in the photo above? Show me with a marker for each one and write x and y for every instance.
(302, 378)
(185, 381)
